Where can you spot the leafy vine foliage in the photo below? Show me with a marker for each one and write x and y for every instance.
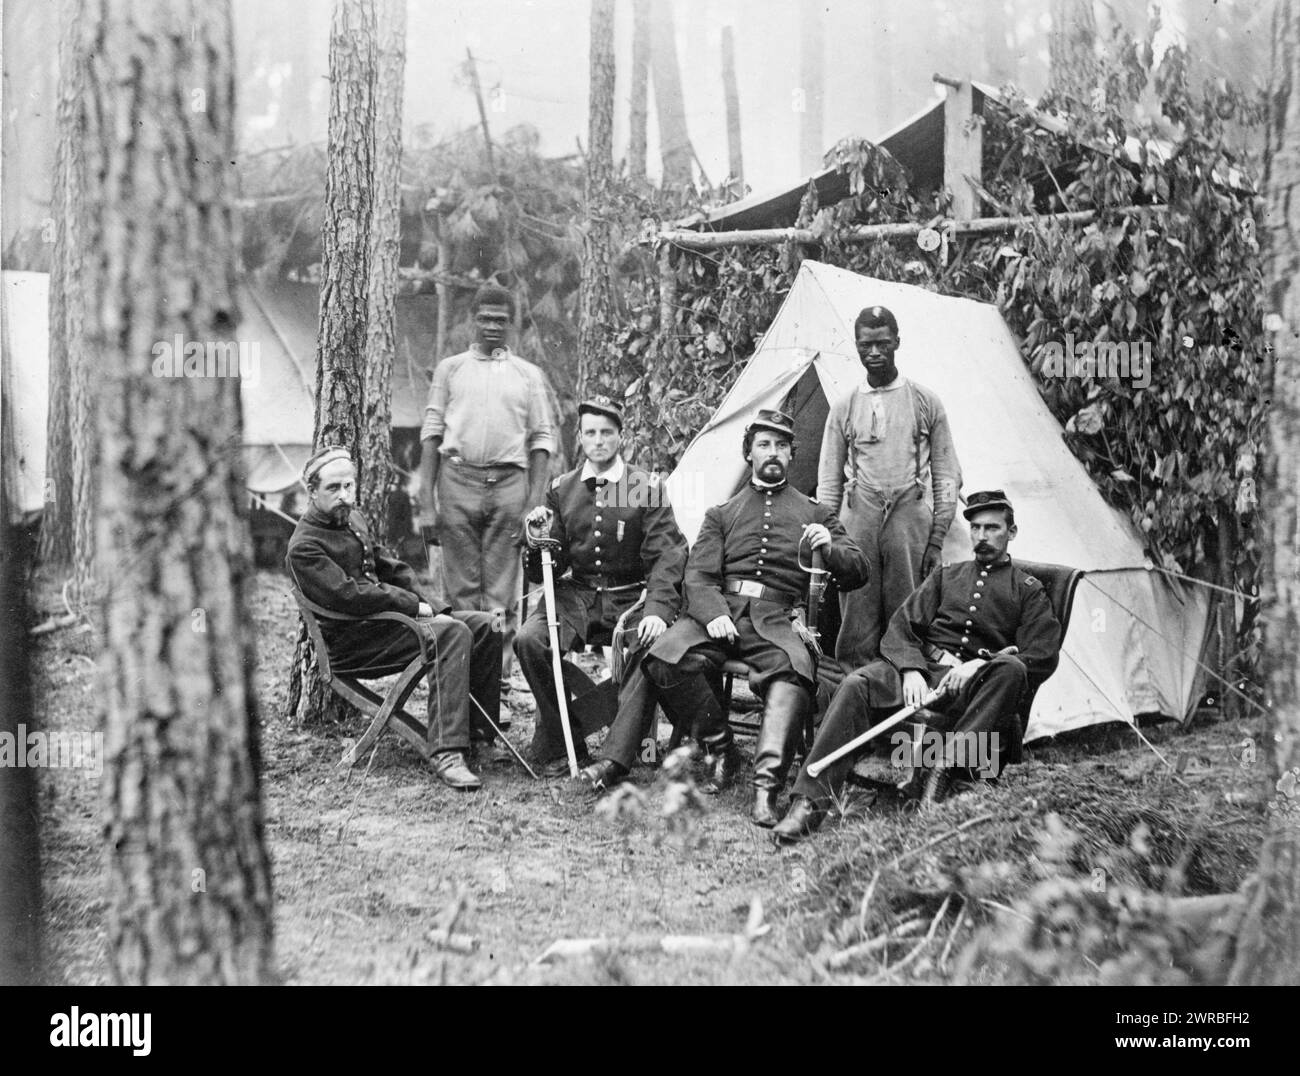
(1176, 448)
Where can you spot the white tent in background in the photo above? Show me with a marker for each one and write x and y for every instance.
(1135, 635)
(278, 332)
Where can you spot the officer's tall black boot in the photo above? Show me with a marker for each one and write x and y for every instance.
(778, 736)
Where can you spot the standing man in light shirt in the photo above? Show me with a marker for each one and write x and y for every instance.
(487, 440)
(889, 470)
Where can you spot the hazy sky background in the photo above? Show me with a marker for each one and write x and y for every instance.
(533, 58)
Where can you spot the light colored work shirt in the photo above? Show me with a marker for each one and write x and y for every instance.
(870, 440)
(488, 411)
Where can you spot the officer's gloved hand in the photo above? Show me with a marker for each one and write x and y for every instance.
(537, 525)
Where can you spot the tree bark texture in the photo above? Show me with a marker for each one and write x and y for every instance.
(1268, 939)
(67, 529)
(20, 849)
(377, 475)
(344, 291)
(595, 302)
(675, 149)
(188, 876)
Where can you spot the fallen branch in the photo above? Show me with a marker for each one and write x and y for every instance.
(929, 936)
(456, 943)
(902, 856)
(952, 937)
(673, 944)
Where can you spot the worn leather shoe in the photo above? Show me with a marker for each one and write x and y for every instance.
(721, 767)
(452, 771)
(559, 767)
(937, 785)
(800, 821)
(490, 752)
(603, 774)
(764, 810)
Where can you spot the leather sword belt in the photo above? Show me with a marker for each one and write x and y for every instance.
(750, 588)
(597, 582)
(940, 656)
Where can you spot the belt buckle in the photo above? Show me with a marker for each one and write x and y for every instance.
(750, 589)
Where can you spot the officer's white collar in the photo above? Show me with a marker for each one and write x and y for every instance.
(614, 474)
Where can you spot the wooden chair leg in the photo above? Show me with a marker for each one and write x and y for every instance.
(394, 700)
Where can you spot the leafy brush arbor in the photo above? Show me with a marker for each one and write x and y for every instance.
(1181, 276)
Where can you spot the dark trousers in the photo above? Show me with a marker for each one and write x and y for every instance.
(989, 703)
(467, 653)
(683, 686)
(533, 649)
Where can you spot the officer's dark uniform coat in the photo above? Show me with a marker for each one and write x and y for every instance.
(755, 536)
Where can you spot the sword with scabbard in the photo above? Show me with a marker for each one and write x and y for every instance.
(815, 768)
(546, 545)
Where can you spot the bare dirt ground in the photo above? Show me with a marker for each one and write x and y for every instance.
(366, 864)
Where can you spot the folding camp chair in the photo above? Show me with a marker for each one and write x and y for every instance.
(383, 711)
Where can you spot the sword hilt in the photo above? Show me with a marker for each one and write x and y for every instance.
(540, 541)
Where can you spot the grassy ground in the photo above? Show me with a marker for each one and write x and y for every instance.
(366, 865)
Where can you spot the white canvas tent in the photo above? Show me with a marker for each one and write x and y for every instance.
(278, 324)
(1135, 635)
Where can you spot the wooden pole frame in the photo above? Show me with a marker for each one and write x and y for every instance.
(869, 233)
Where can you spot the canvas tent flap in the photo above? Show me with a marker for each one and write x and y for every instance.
(1112, 667)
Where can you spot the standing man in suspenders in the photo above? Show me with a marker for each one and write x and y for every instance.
(889, 471)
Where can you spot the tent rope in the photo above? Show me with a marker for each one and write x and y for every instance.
(1208, 585)
(1131, 724)
(1155, 631)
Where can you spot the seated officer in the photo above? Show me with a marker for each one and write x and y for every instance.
(335, 564)
(617, 536)
(936, 639)
(744, 590)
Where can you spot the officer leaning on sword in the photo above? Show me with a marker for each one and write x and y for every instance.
(744, 591)
(617, 536)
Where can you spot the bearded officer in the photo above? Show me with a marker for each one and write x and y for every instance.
(936, 639)
(617, 536)
(744, 593)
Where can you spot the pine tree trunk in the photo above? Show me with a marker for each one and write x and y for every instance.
(811, 53)
(1268, 939)
(67, 527)
(20, 850)
(674, 143)
(1071, 43)
(594, 301)
(377, 474)
(639, 109)
(188, 876)
(345, 282)
(730, 93)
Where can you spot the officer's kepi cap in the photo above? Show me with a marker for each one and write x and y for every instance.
(602, 405)
(776, 421)
(984, 500)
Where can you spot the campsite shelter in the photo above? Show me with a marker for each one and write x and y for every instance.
(278, 329)
(1135, 636)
